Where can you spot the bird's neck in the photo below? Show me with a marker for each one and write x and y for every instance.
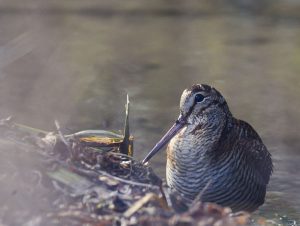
(208, 131)
(198, 141)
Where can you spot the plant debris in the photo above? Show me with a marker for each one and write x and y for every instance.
(96, 181)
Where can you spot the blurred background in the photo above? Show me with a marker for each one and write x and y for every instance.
(75, 61)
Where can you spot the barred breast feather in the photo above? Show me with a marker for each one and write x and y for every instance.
(231, 168)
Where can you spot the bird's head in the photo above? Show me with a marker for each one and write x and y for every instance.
(200, 106)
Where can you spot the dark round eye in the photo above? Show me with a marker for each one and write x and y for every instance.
(199, 98)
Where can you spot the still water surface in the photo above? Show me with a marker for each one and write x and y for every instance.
(77, 64)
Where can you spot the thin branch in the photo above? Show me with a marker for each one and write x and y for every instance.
(129, 182)
(198, 197)
(62, 137)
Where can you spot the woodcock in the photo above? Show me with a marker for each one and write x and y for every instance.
(213, 154)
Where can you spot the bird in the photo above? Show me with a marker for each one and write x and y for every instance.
(213, 155)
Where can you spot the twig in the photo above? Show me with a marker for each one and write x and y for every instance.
(122, 155)
(198, 197)
(100, 172)
(129, 182)
(166, 197)
(144, 200)
(21, 126)
(125, 145)
(139, 204)
(61, 136)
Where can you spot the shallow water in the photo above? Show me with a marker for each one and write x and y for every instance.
(75, 63)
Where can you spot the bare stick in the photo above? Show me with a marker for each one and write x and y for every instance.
(139, 204)
(61, 136)
(129, 182)
(198, 197)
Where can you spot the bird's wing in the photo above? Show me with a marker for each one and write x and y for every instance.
(258, 154)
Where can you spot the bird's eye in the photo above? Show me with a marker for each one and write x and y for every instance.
(199, 98)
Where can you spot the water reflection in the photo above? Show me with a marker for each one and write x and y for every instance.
(79, 63)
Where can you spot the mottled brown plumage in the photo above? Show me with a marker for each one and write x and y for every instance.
(214, 153)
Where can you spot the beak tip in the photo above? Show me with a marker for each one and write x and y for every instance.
(145, 163)
(165, 139)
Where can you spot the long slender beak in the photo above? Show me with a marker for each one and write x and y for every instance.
(180, 122)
